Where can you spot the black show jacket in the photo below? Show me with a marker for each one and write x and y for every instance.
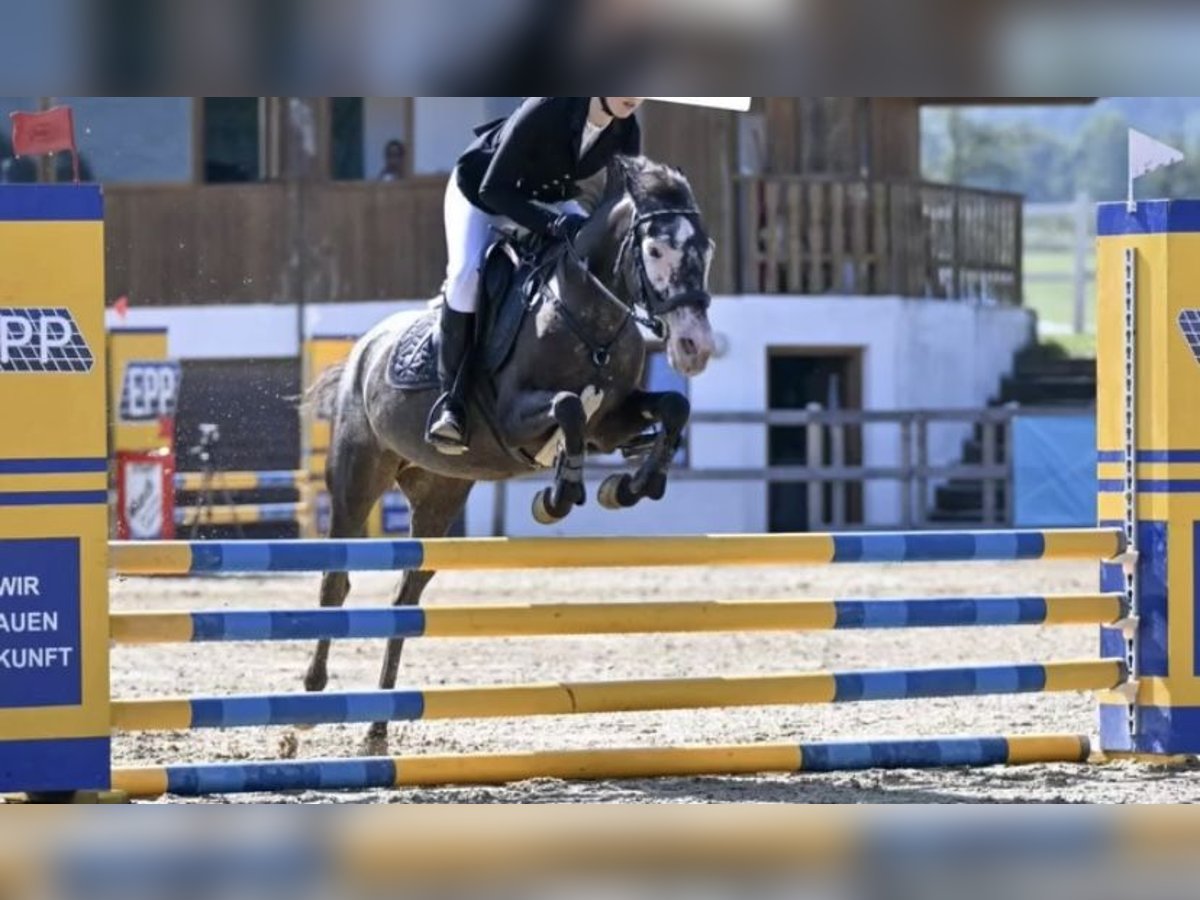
(517, 167)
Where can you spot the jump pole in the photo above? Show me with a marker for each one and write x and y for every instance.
(639, 617)
(636, 695)
(474, 554)
(604, 763)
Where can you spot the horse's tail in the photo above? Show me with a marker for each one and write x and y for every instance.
(321, 398)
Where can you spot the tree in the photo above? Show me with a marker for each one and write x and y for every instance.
(1007, 157)
(1100, 157)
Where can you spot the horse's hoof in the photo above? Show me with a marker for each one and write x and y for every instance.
(656, 486)
(376, 741)
(575, 492)
(543, 508)
(314, 682)
(614, 492)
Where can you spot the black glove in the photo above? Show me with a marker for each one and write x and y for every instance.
(567, 227)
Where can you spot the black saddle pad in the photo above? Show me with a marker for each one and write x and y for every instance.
(413, 366)
(513, 277)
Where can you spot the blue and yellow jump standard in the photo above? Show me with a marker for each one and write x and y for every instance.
(1148, 412)
(54, 701)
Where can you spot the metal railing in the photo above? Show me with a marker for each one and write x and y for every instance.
(836, 443)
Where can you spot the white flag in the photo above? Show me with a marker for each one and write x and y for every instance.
(1145, 156)
(737, 104)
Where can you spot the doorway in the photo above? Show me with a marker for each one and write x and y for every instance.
(832, 378)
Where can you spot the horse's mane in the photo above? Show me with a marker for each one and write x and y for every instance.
(652, 184)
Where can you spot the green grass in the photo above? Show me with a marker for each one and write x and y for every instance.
(1082, 346)
(1054, 301)
(1041, 262)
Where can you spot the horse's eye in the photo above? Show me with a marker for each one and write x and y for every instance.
(655, 253)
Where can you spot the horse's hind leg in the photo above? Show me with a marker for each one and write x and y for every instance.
(435, 503)
(356, 477)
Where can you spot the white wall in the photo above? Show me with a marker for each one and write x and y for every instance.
(442, 128)
(916, 354)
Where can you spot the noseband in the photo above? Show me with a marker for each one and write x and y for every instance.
(644, 293)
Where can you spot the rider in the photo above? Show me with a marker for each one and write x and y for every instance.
(523, 169)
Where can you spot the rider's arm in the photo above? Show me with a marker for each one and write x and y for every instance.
(536, 122)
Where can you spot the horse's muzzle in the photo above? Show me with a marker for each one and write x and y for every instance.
(690, 342)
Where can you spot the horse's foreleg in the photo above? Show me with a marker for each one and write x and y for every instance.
(435, 502)
(668, 409)
(534, 414)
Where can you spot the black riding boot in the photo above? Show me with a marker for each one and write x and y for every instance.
(447, 427)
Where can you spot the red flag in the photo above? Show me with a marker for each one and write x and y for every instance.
(45, 132)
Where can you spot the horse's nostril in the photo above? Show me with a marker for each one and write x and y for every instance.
(688, 346)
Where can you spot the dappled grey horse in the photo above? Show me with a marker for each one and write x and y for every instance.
(557, 372)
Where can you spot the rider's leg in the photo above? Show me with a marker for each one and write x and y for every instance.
(468, 230)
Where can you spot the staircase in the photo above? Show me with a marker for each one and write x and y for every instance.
(1043, 376)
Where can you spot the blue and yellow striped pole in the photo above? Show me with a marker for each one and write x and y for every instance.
(546, 619)
(467, 554)
(1148, 274)
(576, 698)
(240, 481)
(240, 514)
(597, 764)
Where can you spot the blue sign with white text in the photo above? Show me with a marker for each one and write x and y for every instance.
(39, 623)
(150, 391)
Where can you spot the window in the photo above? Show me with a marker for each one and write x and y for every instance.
(371, 138)
(346, 126)
(133, 139)
(232, 139)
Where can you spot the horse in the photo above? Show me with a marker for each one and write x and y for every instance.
(567, 381)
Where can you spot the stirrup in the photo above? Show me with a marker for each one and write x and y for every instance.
(446, 430)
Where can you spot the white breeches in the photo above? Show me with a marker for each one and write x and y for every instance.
(469, 231)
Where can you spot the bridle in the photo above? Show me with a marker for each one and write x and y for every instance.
(644, 295)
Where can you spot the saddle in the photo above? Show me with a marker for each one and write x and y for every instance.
(512, 278)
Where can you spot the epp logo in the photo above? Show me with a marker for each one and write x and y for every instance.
(149, 391)
(40, 340)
